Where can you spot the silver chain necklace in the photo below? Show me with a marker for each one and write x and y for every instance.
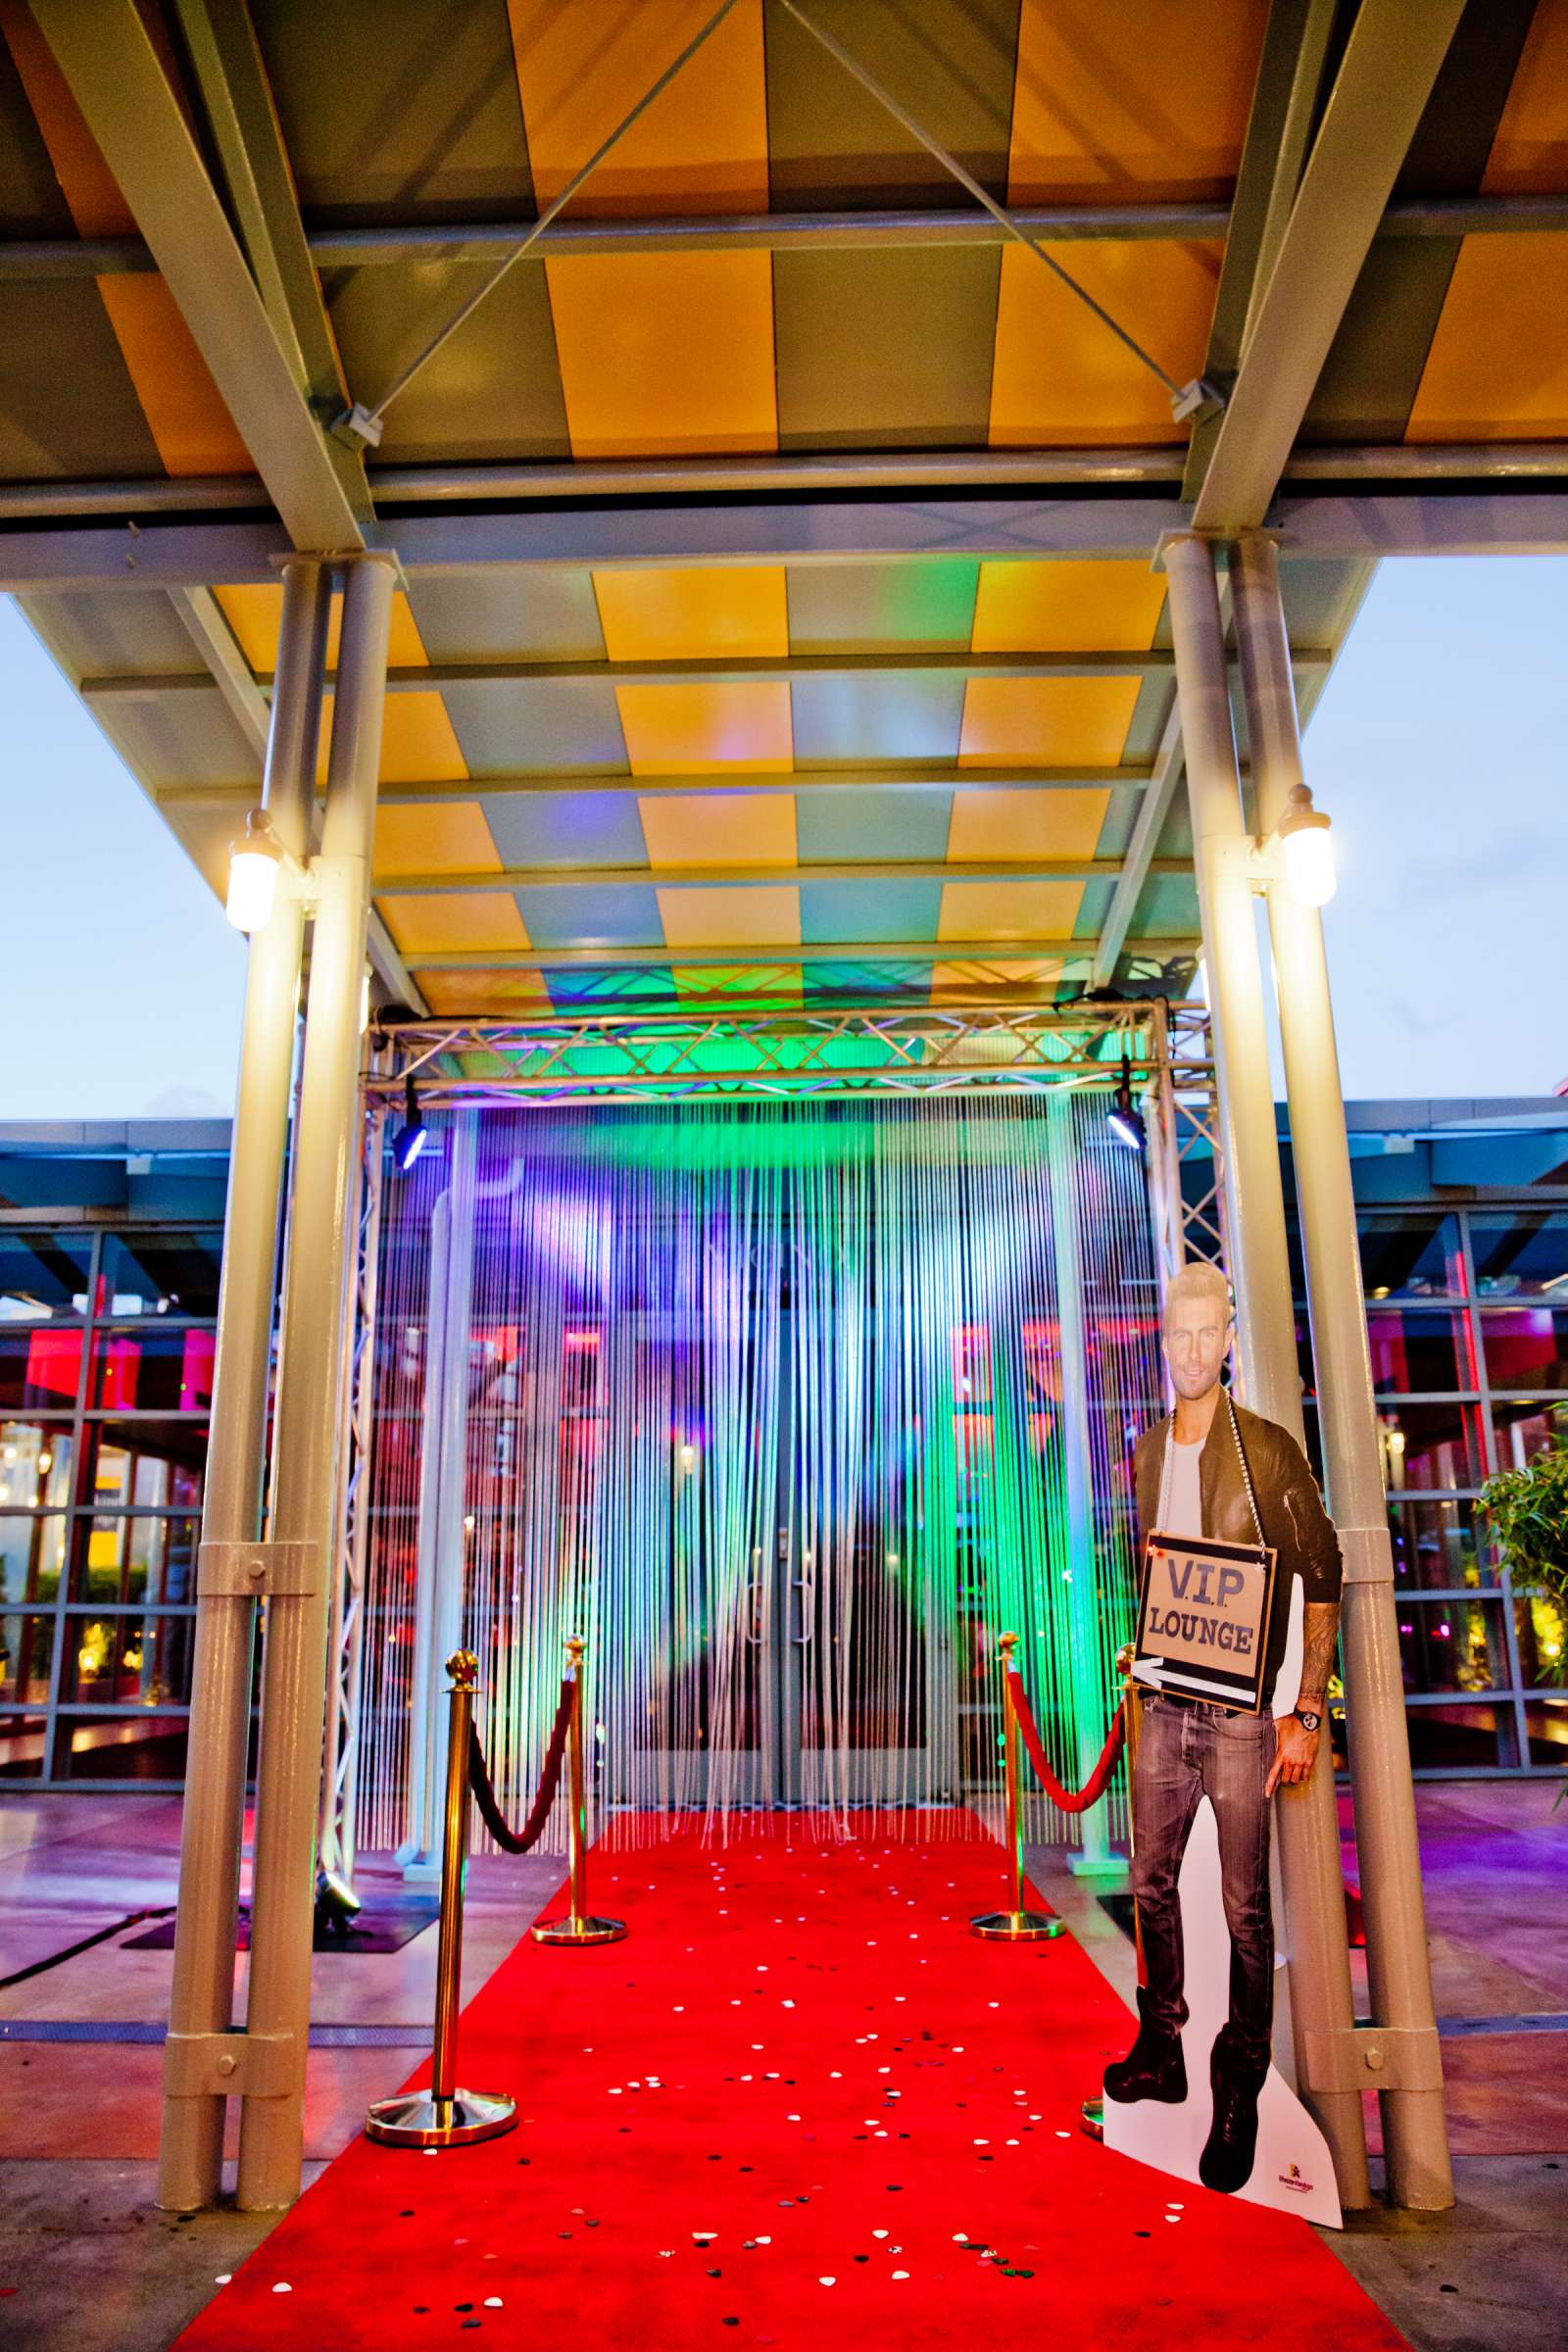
(1241, 1456)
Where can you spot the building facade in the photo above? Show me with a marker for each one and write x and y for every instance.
(109, 1246)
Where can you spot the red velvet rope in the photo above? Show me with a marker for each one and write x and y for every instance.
(518, 1842)
(1095, 1786)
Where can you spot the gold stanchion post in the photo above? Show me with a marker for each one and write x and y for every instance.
(1016, 1925)
(1091, 2113)
(445, 2116)
(579, 1925)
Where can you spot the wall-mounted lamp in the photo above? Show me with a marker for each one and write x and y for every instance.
(1306, 850)
(256, 863)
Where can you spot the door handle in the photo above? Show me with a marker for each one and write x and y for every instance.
(805, 1585)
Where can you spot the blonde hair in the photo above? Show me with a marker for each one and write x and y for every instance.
(1200, 1279)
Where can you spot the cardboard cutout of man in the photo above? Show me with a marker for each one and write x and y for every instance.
(1192, 1480)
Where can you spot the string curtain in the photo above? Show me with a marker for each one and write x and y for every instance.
(766, 1400)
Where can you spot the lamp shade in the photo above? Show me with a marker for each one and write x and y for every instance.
(1308, 849)
(252, 884)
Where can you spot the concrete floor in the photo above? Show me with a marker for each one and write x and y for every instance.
(87, 2265)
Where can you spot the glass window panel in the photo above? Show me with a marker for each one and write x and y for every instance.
(140, 1746)
(163, 1371)
(34, 1465)
(1451, 1644)
(127, 1660)
(1526, 1348)
(1415, 1250)
(1540, 1631)
(21, 1747)
(1431, 1446)
(39, 1368)
(32, 1554)
(120, 1560)
(27, 1650)
(146, 1462)
(43, 1275)
(1413, 1348)
(1525, 1426)
(1435, 1543)
(1546, 1724)
(1519, 1254)
(157, 1273)
(1461, 1739)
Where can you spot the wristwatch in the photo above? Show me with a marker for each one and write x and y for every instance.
(1308, 1718)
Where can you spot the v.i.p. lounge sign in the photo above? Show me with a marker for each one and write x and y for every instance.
(1202, 1618)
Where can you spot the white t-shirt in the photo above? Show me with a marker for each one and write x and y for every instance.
(1183, 1513)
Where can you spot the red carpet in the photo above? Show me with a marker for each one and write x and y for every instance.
(800, 2106)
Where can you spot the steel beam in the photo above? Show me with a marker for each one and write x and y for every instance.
(118, 80)
(714, 784)
(748, 953)
(150, 685)
(1390, 61)
(1358, 517)
(1279, 128)
(1138, 860)
(226, 61)
(32, 259)
(755, 877)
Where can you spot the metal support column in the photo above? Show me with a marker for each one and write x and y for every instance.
(1094, 1856)
(1399, 1973)
(294, 1674)
(201, 2002)
(1306, 1819)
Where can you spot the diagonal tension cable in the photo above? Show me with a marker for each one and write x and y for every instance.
(1185, 397)
(361, 426)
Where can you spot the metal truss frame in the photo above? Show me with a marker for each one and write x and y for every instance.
(1184, 1131)
(629, 1057)
(357, 1420)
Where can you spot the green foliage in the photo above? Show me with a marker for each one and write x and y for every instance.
(1527, 1512)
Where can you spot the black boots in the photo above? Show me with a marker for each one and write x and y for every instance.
(1226, 2163)
(1152, 2069)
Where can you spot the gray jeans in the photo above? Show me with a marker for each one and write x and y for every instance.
(1186, 1753)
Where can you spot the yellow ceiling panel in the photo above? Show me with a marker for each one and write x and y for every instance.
(769, 916)
(451, 837)
(456, 995)
(702, 147)
(693, 730)
(1066, 608)
(742, 829)
(680, 613)
(987, 826)
(1009, 910)
(417, 743)
(448, 924)
(186, 414)
(1061, 380)
(1045, 722)
(255, 609)
(952, 982)
(666, 353)
(1530, 152)
(1495, 370)
(1140, 102)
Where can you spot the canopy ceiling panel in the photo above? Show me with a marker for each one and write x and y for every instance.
(744, 649)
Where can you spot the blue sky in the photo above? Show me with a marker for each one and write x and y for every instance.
(1440, 748)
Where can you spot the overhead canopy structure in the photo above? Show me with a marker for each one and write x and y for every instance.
(779, 621)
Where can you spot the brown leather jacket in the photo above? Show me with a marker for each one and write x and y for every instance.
(1289, 1504)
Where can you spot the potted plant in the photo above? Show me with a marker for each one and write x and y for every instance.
(1527, 1513)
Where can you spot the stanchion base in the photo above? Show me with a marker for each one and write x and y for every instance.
(418, 2120)
(578, 1931)
(1091, 2118)
(1016, 1927)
